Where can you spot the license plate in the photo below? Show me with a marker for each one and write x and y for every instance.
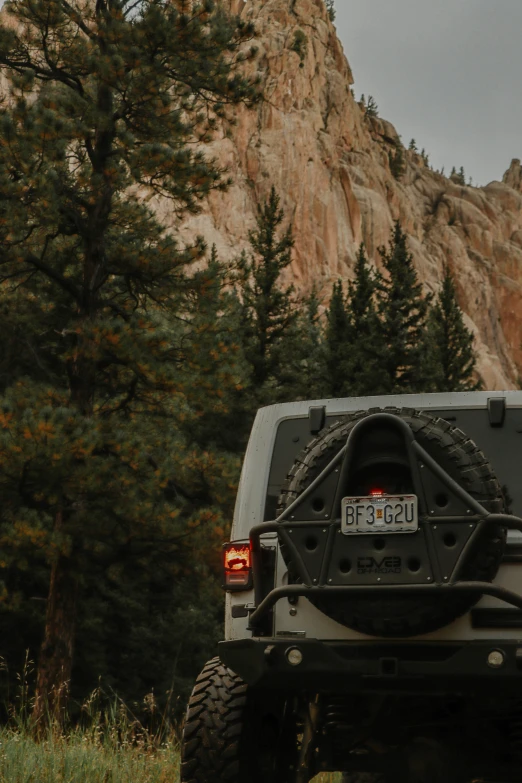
(379, 514)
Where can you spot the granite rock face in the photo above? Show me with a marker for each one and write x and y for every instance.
(329, 162)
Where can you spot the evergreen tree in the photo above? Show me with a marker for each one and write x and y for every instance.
(337, 343)
(452, 358)
(363, 359)
(268, 310)
(402, 311)
(459, 177)
(330, 7)
(372, 110)
(302, 372)
(214, 364)
(105, 103)
(413, 146)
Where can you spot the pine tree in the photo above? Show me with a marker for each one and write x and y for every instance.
(402, 311)
(452, 358)
(105, 102)
(459, 177)
(372, 110)
(214, 364)
(363, 359)
(330, 7)
(413, 146)
(302, 372)
(337, 343)
(268, 309)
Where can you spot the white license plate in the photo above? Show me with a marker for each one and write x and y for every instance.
(379, 514)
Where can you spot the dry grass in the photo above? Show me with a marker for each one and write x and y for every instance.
(85, 757)
(90, 757)
(111, 746)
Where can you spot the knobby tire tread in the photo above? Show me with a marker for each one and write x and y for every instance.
(213, 727)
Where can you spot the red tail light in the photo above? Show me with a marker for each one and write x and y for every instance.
(237, 564)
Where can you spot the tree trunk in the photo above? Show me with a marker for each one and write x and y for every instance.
(56, 652)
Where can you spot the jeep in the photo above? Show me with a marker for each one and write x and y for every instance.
(373, 598)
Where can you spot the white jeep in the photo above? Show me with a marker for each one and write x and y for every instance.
(373, 598)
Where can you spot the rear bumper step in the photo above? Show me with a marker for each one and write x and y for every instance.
(393, 666)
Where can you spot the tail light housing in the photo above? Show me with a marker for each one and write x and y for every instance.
(237, 566)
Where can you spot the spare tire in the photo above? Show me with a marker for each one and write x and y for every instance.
(397, 616)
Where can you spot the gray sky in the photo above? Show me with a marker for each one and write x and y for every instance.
(446, 73)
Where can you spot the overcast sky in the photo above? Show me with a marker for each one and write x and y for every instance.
(446, 73)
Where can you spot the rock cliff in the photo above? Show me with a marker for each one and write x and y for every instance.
(330, 163)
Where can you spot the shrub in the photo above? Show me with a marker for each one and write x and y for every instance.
(300, 45)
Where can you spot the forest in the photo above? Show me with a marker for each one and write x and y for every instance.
(132, 364)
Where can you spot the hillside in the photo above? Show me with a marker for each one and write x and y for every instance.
(330, 162)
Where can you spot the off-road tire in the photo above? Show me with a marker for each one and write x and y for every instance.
(466, 464)
(222, 740)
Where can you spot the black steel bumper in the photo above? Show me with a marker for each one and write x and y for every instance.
(417, 667)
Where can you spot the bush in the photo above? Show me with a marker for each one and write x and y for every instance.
(300, 45)
(396, 160)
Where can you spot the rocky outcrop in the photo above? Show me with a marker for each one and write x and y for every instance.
(330, 163)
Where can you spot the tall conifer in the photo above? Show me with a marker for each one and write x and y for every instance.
(106, 101)
(302, 372)
(268, 308)
(452, 358)
(364, 357)
(402, 310)
(337, 343)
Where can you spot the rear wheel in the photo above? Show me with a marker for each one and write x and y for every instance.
(232, 736)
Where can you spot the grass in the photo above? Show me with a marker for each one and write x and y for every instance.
(90, 757)
(109, 745)
(82, 757)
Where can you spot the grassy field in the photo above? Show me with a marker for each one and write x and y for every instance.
(92, 756)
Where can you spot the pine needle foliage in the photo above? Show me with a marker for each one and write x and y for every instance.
(268, 309)
(364, 358)
(330, 7)
(107, 105)
(453, 359)
(337, 343)
(372, 110)
(301, 358)
(353, 340)
(402, 311)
